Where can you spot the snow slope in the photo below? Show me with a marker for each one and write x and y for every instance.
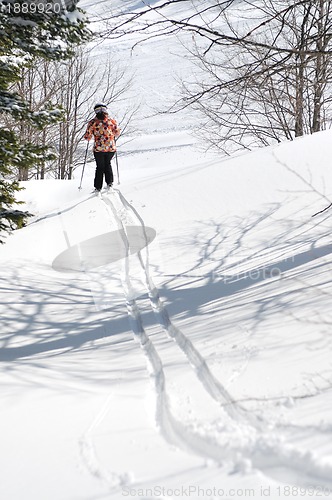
(171, 339)
(189, 353)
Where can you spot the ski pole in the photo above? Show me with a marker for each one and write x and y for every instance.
(86, 154)
(117, 166)
(116, 160)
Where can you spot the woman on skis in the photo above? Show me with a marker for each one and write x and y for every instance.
(104, 130)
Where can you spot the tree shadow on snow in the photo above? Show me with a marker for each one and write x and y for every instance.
(282, 258)
(52, 321)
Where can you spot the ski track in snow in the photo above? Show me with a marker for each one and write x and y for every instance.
(264, 449)
(173, 431)
(89, 458)
(210, 384)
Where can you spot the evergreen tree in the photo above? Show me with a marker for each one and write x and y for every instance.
(28, 30)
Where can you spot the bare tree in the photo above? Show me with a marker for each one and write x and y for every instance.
(79, 86)
(34, 86)
(265, 70)
(253, 95)
(72, 85)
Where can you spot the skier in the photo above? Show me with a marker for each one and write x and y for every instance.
(104, 130)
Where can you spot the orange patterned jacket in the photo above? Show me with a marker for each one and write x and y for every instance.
(104, 133)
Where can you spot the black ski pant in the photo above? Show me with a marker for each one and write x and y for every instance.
(103, 161)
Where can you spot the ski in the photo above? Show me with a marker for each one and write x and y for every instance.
(96, 192)
(108, 189)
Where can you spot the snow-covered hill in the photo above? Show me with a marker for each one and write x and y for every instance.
(171, 339)
(201, 360)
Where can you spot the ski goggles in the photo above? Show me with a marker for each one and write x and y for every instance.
(101, 109)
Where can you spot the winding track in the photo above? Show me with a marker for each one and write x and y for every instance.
(172, 429)
(265, 450)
